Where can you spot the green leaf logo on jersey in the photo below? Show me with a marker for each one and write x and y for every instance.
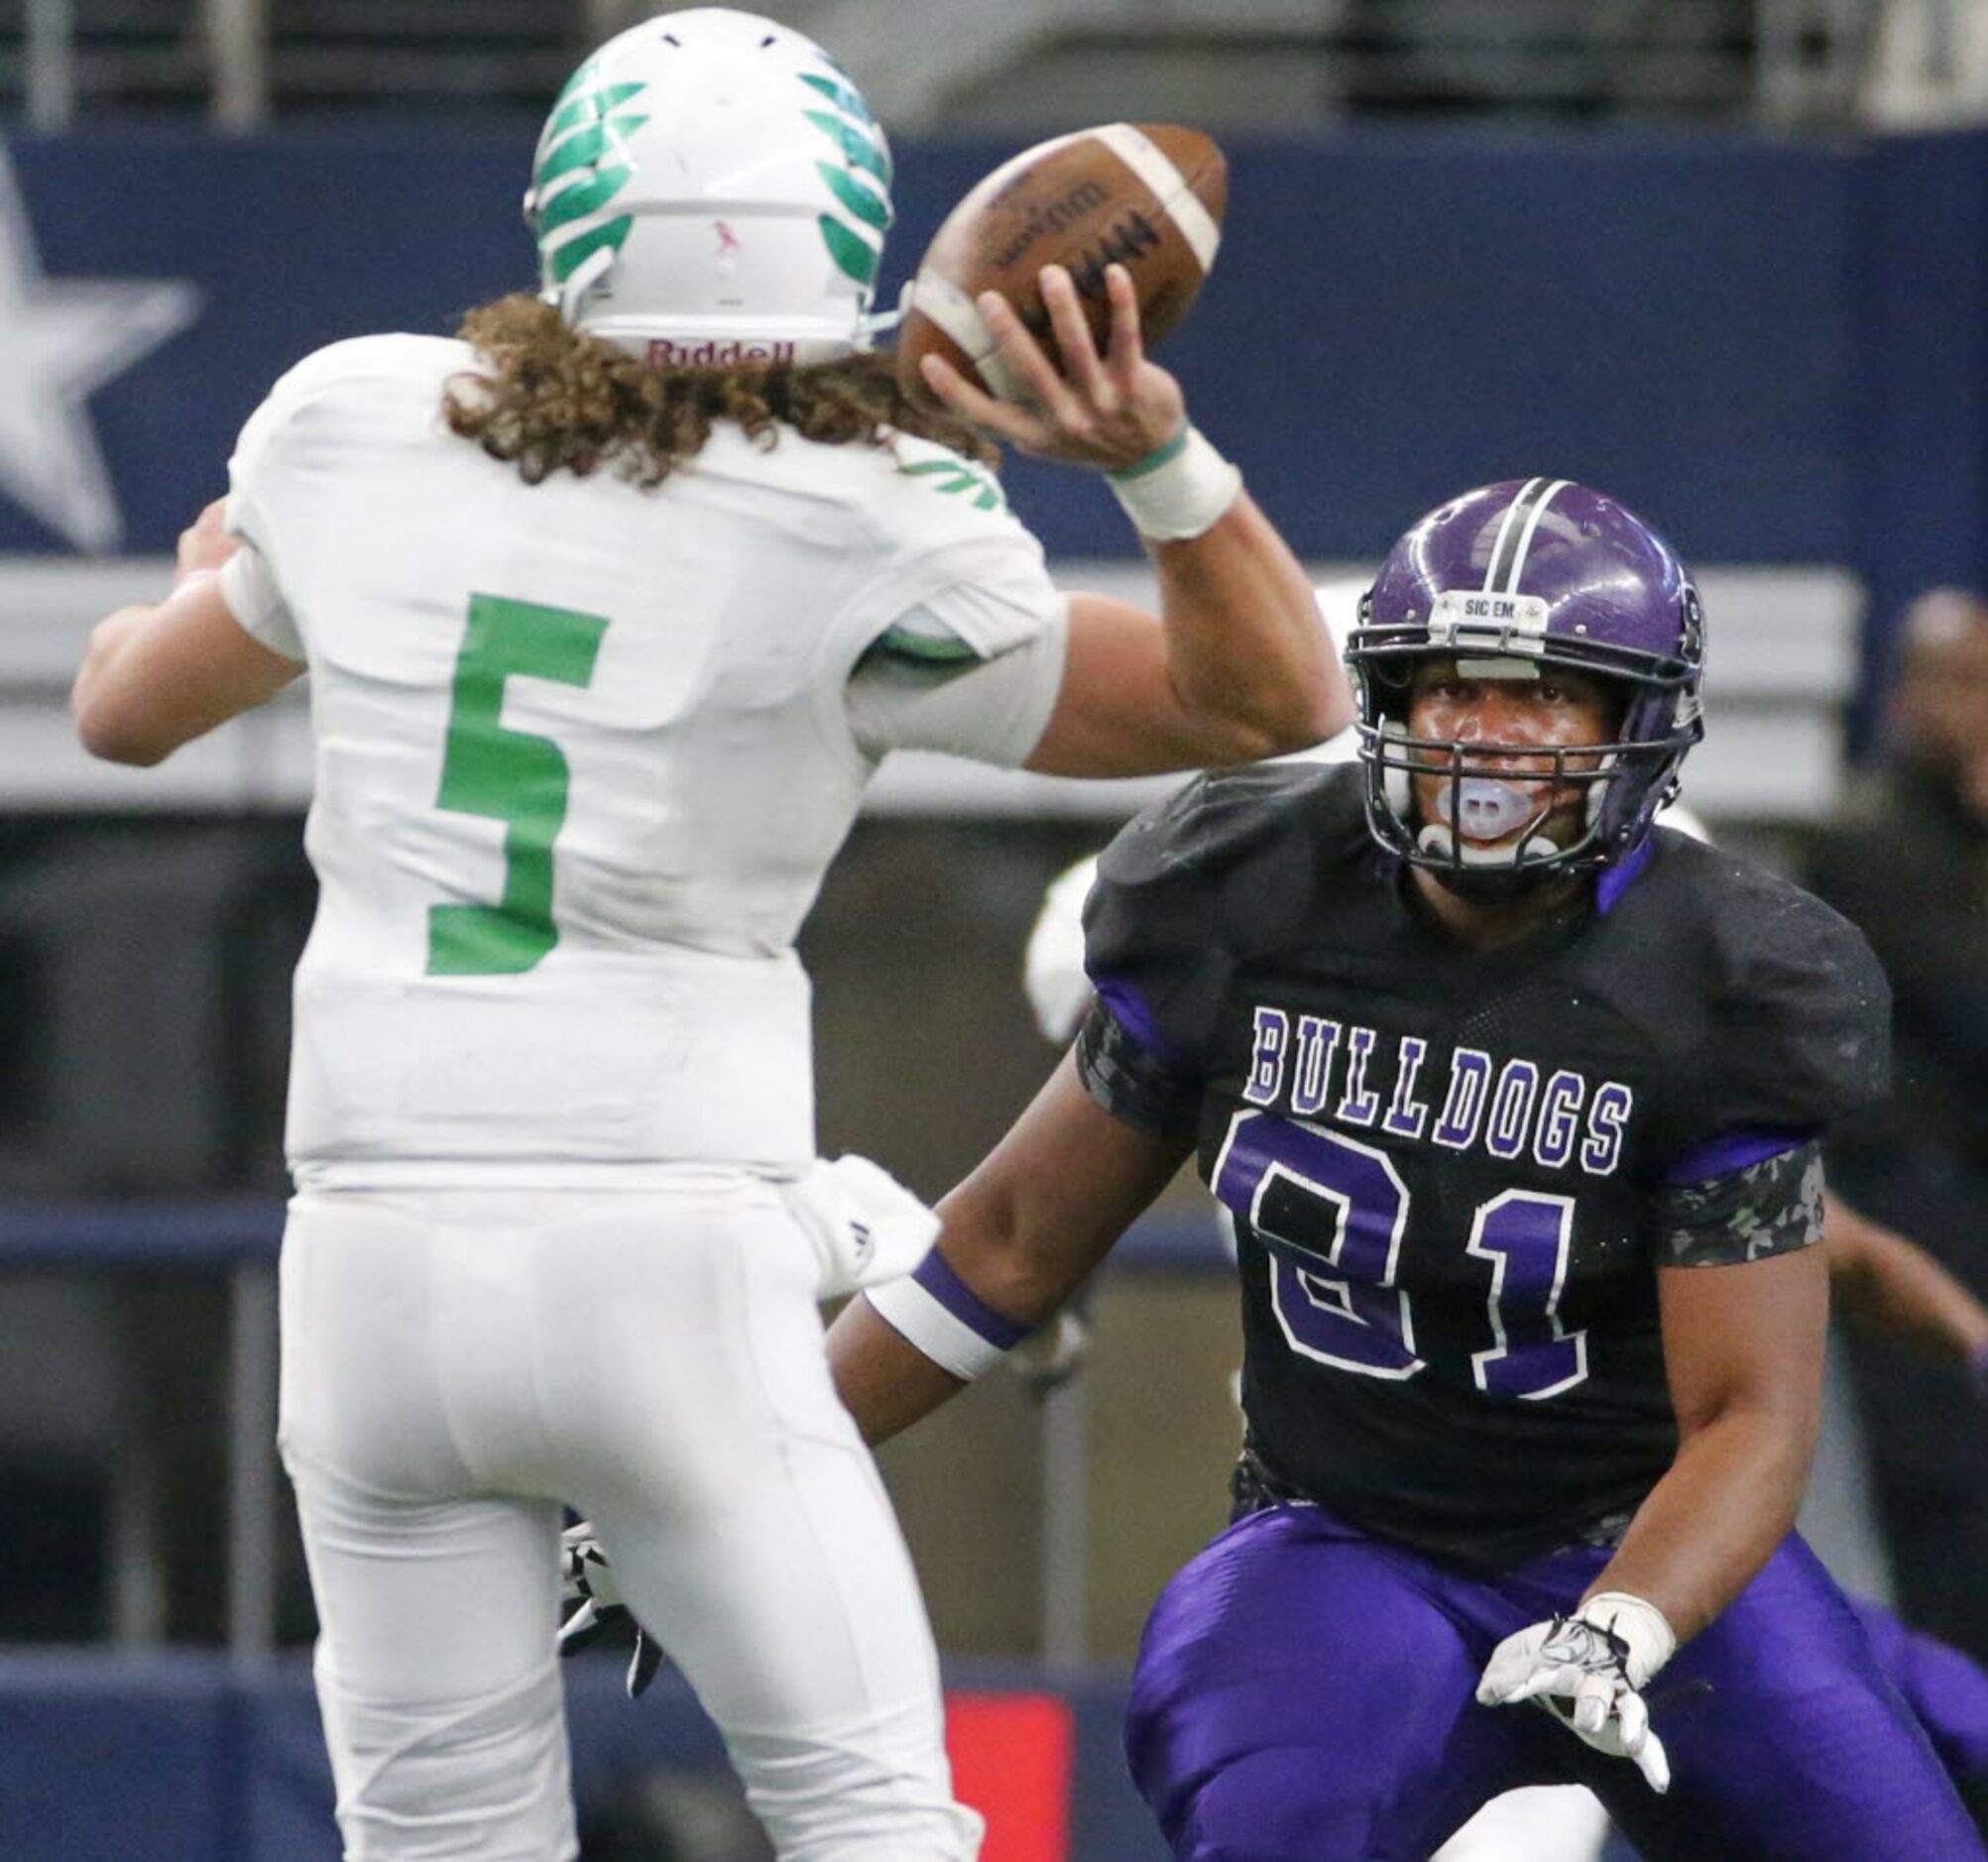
(860, 181)
(958, 477)
(580, 167)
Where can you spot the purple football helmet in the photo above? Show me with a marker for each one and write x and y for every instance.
(1547, 572)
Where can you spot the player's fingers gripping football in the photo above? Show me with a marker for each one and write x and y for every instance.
(1003, 419)
(1046, 409)
(1117, 408)
(1125, 349)
(1081, 369)
(1107, 412)
(1050, 398)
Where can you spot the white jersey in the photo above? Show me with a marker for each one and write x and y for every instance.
(583, 753)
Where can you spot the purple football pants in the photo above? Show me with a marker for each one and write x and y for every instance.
(1946, 1690)
(1306, 1693)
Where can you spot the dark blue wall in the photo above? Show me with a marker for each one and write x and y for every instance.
(1774, 349)
(1919, 442)
(175, 1757)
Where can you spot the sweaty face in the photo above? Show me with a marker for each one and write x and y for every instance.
(1509, 716)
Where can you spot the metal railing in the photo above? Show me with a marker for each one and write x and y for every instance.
(1789, 62)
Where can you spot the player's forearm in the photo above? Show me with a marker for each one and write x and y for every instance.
(1021, 1234)
(984, 1288)
(105, 719)
(154, 677)
(1246, 649)
(885, 1383)
(1883, 1281)
(1715, 1518)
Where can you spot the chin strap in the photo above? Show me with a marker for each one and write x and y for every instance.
(1441, 841)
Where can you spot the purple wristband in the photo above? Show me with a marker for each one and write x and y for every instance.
(967, 1305)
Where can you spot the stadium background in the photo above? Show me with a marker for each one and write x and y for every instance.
(1728, 261)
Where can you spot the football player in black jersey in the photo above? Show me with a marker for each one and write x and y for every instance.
(1516, 1101)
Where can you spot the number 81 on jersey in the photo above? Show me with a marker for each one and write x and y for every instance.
(1332, 1213)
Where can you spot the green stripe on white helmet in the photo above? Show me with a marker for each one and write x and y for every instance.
(710, 187)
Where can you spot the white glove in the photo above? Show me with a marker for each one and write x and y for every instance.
(865, 1225)
(587, 1582)
(1588, 1670)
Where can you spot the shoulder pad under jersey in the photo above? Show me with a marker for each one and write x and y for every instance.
(1226, 865)
(360, 366)
(1800, 1032)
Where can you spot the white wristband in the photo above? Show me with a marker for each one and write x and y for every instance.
(1182, 491)
(1642, 1626)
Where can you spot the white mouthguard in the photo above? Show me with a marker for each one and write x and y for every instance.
(1485, 808)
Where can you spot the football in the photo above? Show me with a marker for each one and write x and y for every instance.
(1149, 196)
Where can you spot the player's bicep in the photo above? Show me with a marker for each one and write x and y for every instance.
(1748, 1339)
(1118, 712)
(993, 710)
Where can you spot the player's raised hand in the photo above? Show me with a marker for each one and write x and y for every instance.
(1588, 1670)
(596, 1609)
(1109, 410)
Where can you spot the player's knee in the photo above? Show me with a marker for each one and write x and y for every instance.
(1283, 1805)
(847, 1799)
(484, 1775)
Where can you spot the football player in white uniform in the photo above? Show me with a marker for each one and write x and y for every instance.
(610, 612)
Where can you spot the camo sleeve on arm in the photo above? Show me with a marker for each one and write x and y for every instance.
(1770, 1206)
(1132, 1082)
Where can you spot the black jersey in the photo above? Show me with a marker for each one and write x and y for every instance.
(1454, 1173)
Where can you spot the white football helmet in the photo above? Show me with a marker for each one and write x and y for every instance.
(711, 188)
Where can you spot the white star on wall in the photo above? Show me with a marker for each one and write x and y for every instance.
(60, 341)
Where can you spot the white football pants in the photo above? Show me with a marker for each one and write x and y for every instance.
(456, 1364)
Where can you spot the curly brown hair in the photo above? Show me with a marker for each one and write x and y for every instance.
(548, 399)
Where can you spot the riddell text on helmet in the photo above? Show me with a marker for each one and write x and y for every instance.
(712, 354)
